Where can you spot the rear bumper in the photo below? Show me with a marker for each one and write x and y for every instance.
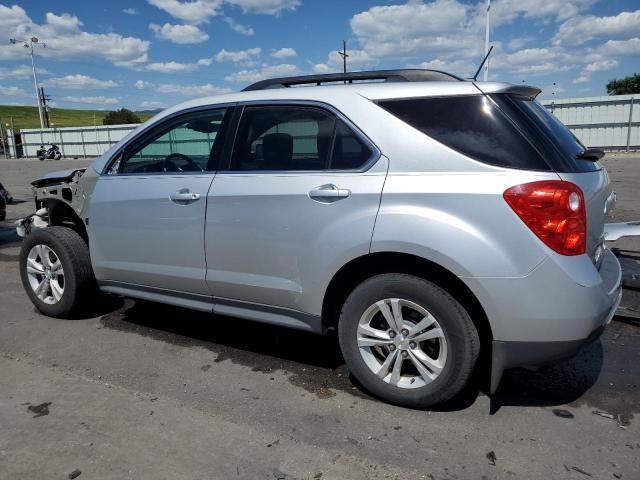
(550, 314)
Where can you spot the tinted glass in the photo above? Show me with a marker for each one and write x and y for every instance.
(472, 125)
(283, 138)
(349, 151)
(559, 146)
(181, 145)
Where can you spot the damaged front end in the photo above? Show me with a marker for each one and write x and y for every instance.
(61, 198)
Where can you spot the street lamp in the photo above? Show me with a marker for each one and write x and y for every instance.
(30, 43)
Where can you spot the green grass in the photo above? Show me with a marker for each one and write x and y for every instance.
(27, 117)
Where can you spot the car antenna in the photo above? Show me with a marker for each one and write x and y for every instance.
(486, 57)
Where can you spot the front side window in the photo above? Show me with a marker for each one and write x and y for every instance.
(186, 144)
(291, 138)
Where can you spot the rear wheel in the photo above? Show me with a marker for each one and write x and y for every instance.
(56, 271)
(408, 341)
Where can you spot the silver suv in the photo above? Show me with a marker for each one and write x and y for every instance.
(437, 224)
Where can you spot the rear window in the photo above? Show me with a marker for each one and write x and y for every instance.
(471, 125)
(550, 136)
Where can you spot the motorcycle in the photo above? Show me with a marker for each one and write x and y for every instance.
(53, 153)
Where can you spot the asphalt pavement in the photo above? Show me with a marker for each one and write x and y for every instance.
(146, 391)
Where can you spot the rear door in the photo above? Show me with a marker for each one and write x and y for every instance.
(148, 210)
(299, 197)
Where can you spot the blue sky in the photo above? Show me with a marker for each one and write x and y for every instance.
(151, 54)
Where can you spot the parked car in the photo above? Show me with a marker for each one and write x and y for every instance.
(5, 198)
(431, 221)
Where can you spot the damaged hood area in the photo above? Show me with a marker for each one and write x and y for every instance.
(61, 176)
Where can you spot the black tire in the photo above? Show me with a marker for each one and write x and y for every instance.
(463, 342)
(79, 281)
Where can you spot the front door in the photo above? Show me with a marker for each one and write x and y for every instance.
(148, 211)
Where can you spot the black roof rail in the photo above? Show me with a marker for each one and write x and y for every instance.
(403, 75)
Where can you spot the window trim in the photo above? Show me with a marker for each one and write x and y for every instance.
(148, 131)
(373, 159)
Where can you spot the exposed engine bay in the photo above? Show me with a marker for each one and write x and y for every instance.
(61, 198)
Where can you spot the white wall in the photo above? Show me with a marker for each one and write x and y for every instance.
(601, 121)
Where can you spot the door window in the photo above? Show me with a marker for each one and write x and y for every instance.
(191, 143)
(286, 138)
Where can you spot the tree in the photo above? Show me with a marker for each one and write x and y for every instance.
(120, 117)
(625, 86)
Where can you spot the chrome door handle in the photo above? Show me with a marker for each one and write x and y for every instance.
(184, 196)
(329, 193)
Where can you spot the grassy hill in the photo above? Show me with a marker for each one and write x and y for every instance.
(27, 117)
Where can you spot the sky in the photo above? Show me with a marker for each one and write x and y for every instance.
(152, 54)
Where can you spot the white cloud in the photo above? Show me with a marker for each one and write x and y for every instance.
(238, 56)
(176, 67)
(357, 60)
(195, 11)
(79, 81)
(417, 29)
(141, 84)
(66, 40)
(536, 60)
(592, 67)
(461, 68)
(519, 42)
(285, 52)
(267, 71)
(92, 100)
(152, 105)
(621, 48)
(21, 72)
(581, 29)
(13, 92)
(180, 34)
(506, 11)
(130, 11)
(192, 90)
(268, 7)
(238, 27)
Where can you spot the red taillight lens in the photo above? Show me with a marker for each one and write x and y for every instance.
(555, 211)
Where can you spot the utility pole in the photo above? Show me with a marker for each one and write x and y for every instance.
(44, 99)
(30, 44)
(486, 40)
(344, 56)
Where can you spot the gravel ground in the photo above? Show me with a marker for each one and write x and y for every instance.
(147, 391)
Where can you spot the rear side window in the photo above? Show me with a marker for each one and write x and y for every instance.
(556, 142)
(471, 125)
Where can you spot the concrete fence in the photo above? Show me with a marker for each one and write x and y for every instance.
(612, 123)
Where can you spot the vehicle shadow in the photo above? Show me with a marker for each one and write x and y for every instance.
(562, 383)
(315, 363)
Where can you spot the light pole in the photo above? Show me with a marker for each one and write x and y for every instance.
(486, 40)
(30, 43)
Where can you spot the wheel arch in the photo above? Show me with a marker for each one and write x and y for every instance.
(361, 268)
(63, 215)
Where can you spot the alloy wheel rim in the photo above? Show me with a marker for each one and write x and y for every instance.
(402, 343)
(45, 274)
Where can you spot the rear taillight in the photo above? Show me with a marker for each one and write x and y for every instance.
(555, 211)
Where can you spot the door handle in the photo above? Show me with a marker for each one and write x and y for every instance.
(184, 196)
(329, 193)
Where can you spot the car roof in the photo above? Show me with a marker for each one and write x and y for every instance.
(374, 91)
